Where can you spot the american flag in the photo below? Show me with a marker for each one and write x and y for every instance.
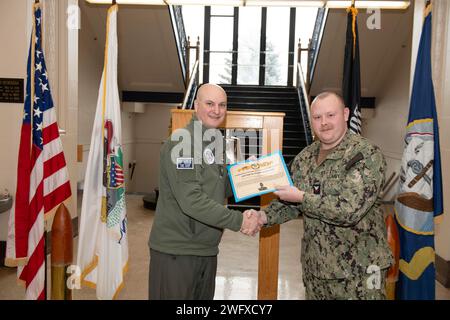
(42, 179)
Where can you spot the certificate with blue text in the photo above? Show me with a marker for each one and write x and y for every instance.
(253, 178)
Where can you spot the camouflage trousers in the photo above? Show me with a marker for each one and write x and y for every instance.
(357, 288)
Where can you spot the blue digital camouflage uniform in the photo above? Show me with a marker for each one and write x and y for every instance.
(345, 232)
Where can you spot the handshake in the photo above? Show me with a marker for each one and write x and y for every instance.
(252, 221)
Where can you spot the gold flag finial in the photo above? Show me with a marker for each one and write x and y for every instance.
(354, 12)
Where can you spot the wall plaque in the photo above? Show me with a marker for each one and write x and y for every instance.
(11, 90)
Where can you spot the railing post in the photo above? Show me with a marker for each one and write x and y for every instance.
(299, 60)
(308, 69)
(197, 58)
(188, 61)
(197, 49)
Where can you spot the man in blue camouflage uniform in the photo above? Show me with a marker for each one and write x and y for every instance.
(338, 179)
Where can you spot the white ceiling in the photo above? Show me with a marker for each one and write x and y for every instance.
(378, 50)
(147, 52)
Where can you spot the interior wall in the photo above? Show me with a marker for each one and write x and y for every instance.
(441, 74)
(388, 126)
(128, 146)
(90, 68)
(152, 128)
(15, 31)
(14, 18)
(91, 56)
(61, 49)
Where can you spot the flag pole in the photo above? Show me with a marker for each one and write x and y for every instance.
(37, 2)
(45, 228)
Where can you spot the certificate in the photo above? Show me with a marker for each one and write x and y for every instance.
(253, 178)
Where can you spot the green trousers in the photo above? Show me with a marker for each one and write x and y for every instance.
(174, 277)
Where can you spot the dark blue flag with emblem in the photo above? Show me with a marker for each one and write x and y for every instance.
(419, 202)
(351, 84)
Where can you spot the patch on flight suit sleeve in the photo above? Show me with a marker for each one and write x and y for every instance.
(186, 171)
(185, 163)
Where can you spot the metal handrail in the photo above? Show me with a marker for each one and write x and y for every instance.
(301, 81)
(192, 80)
(301, 89)
(180, 36)
(316, 41)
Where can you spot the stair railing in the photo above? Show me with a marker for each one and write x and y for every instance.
(176, 17)
(299, 59)
(316, 42)
(303, 98)
(188, 55)
(191, 88)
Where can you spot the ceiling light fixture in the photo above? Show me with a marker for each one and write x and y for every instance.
(332, 4)
(282, 3)
(137, 2)
(368, 4)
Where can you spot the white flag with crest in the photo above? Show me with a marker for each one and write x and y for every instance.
(103, 243)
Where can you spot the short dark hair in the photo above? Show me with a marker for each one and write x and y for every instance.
(327, 94)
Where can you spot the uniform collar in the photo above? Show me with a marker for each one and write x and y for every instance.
(338, 151)
(194, 118)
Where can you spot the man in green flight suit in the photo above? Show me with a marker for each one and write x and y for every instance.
(190, 214)
(337, 182)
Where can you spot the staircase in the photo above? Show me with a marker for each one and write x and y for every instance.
(271, 99)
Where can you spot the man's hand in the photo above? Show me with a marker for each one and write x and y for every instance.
(262, 218)
(289, 193)
(251, 222)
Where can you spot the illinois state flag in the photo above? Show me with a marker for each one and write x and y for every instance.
(103, 246)
(419, 200)
(42, 179)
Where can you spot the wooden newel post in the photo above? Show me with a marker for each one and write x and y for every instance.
(269, 238)
(197, 49)
(269, 252)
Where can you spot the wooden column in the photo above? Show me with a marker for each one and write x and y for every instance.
(269, 238)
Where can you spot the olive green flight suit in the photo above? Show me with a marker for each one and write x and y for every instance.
(190, 218)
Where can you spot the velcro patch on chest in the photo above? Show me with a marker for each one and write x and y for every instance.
(316, 187)
(185, 163)
(358, 157)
